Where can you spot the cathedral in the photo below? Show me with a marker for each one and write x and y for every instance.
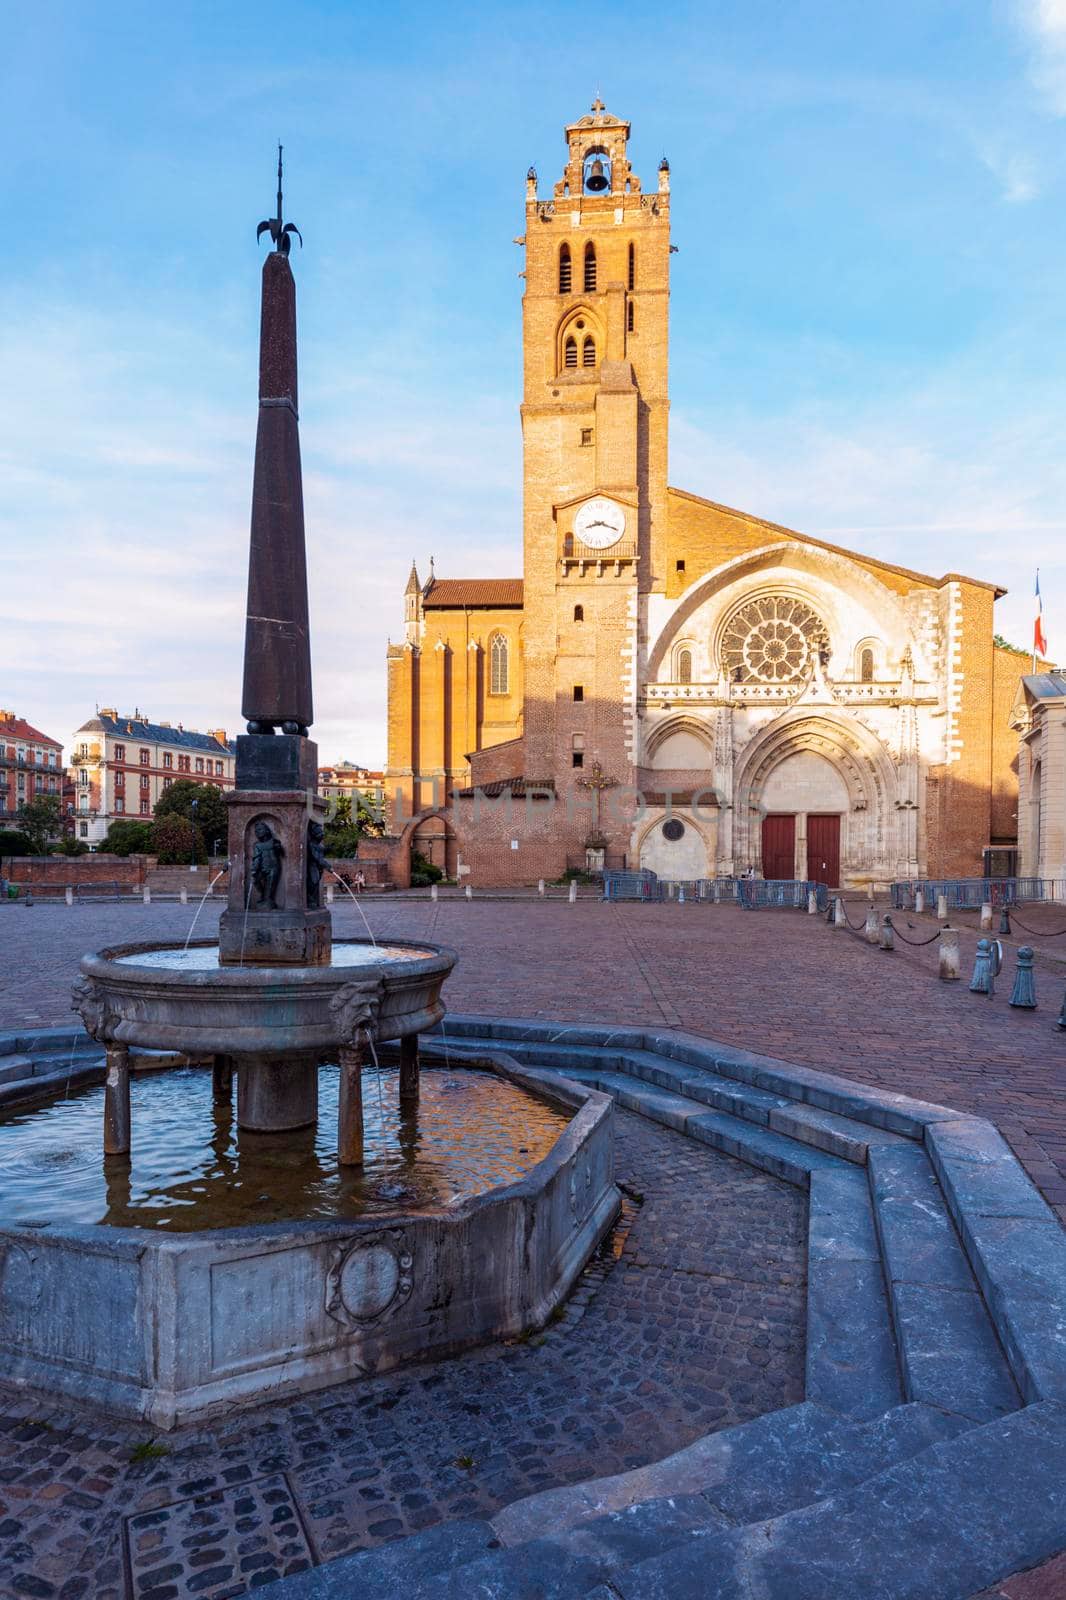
(673, 684)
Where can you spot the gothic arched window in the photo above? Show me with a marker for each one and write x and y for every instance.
(499, 676)
(590, 268)
(570, 353)
(588, 351)
(866, 666)
(564, 270)
(684, 666)
(632, 266)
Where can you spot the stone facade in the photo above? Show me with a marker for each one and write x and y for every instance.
(30, 766)
(691, 688)
(121, 765)
(1039, 718)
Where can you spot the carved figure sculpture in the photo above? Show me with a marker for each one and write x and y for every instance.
(316, 863)
(266, 867)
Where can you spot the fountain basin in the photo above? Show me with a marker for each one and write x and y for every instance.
(154, 996)
(176, 1328)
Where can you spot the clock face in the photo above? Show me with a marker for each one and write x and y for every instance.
(600, 523)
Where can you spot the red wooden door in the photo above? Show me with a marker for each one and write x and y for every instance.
(823, 850)
(779, 845)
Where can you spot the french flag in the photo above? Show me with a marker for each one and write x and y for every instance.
(1039, 637)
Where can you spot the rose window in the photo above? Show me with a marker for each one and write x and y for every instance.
(771, 640)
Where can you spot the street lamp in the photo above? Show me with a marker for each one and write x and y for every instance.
(192, 842)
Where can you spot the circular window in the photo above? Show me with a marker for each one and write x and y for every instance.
(673, 830)
(771, 640)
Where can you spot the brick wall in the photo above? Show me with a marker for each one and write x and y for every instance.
(128, 871)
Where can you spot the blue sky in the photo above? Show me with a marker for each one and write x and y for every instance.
(868, 317)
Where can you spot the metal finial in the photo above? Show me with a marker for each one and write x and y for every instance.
(280, 232)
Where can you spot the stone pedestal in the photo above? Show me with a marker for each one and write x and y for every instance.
(275, 917)
(274, 1096)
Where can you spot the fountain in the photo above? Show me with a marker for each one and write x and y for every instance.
(174, 1326)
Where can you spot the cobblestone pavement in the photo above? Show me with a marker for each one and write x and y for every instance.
(698, 1324)
(773, 981)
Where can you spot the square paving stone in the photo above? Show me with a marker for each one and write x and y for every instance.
(217, 1542)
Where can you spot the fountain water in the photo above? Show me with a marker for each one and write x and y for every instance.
(203, 899)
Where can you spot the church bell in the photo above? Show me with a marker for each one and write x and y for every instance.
(597, 179)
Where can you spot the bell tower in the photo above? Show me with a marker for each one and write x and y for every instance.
(594, 428)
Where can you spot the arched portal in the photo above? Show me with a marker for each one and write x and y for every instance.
(836, 781)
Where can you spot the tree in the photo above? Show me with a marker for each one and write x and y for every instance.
(351, 818)
(175, 840)
(71, 847)
(127, 837)
(201, 803)
(41, 820)
(13, 843)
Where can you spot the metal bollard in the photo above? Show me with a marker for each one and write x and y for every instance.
(146, 895)
(983, 980)
(871, 930)
(573, 891)
(949, 968)
(1023, 994)
(433, 893)
(183, 895)
(986, 917)
(68, 895)
(812, 901)
(942, 910)
(540, 887)
(1004, 919)
(469, 891)
(919, 901)
(888, 937)
(839, 918)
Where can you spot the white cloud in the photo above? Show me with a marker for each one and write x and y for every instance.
(1043, 23)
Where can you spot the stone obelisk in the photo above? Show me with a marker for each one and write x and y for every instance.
(275, 915)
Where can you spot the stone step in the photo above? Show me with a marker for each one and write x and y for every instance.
(27, 1091)
(813, 1125)
(755, 1143)
(852, 1364)
(391, 1571)
(13, 1067)
(943, 1524)
(765, 1467)
(551, 1545)
(949, 1352)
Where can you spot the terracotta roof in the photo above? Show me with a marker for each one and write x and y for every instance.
(486, 592)
(839, 550)
(19, 728)
(535, 788)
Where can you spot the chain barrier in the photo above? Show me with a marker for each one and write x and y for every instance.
(1040, 933)
(916, 943)
(856, 927)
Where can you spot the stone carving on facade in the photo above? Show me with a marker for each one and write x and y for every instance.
(354, 1008)
(93, 1005)
(369, 1278)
